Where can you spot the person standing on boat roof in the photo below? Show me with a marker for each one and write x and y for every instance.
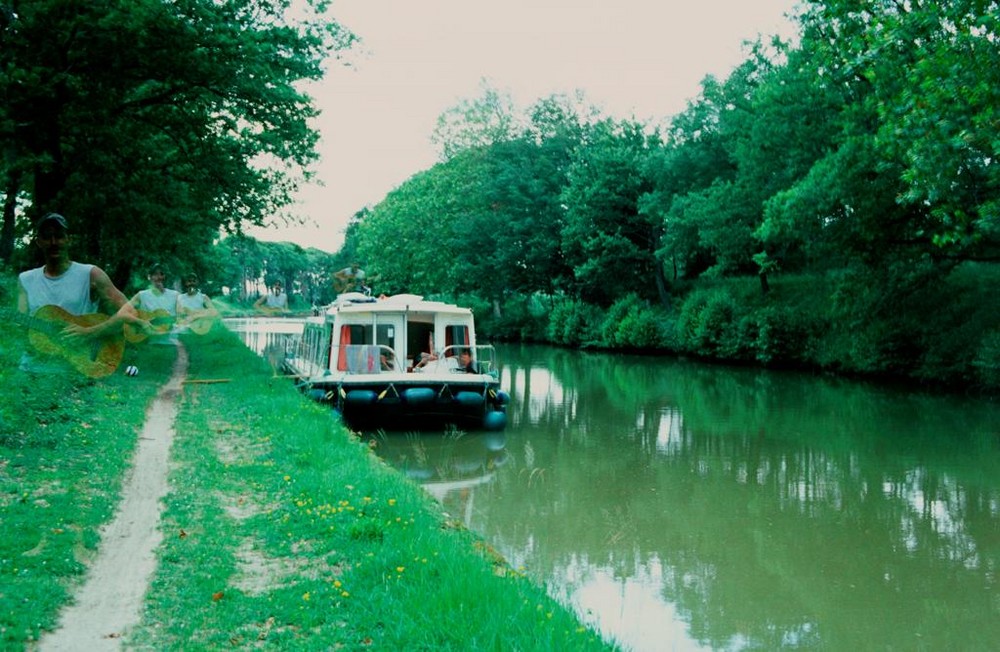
(350, 279)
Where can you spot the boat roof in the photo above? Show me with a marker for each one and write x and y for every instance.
(356, 302)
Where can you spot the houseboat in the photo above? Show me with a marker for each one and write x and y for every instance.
(399, 362)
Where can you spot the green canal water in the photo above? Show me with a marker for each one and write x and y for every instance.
(683, 506)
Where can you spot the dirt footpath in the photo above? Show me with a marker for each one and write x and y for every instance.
(110, 600)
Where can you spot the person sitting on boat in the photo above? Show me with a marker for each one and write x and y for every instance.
(466, 364)
(422, 359)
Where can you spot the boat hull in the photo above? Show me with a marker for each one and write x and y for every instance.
(408, 404)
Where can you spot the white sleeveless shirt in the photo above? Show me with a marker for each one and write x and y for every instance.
(191, 302)
(70, 291)
(150, 300)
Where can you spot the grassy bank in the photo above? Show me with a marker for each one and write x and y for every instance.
(281, 529)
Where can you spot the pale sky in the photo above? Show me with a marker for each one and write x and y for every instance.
(417, 58)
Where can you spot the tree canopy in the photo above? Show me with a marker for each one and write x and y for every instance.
(166, 121)
(846, 149)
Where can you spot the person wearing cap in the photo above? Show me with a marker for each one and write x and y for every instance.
(76, 288)
(156, 296)
(158, 303)
(193, 303)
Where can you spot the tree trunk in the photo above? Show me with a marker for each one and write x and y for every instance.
(765, 287)
(11, 189)
(662, 288)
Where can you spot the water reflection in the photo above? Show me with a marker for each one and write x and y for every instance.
(681, 506)
(451, 466)
(270, 337)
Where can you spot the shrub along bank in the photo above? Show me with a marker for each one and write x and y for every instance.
(281, 529)
(914, 326)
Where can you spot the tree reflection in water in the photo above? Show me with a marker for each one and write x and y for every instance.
(735, 508)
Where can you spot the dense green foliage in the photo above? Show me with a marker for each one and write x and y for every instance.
(247, 267)
(836, 165)
(839, 162)
(154, 125)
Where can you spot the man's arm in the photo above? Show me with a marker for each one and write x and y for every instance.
(113, 302)
(110, 297)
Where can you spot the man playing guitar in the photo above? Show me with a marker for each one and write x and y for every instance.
(350, 279)
(69, 292)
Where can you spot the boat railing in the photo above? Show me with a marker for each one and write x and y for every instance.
(312, 346)
(483, 355)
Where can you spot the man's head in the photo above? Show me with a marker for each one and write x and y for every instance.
(156, 275)
(190, 282)
(465, 356)
(52, 236)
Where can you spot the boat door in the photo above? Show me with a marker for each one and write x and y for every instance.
(390, 331)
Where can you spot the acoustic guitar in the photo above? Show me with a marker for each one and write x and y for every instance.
(351, 284)
(199, 324)
(92, 357)
(341, 286)
(160, 323)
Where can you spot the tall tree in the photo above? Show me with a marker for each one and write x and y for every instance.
(474, 123)
(165, 121)
(913, 175)
(608, 243)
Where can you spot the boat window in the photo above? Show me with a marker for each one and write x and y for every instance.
(385, 334)
(351, 334)
(455, 335)
(363, 359)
